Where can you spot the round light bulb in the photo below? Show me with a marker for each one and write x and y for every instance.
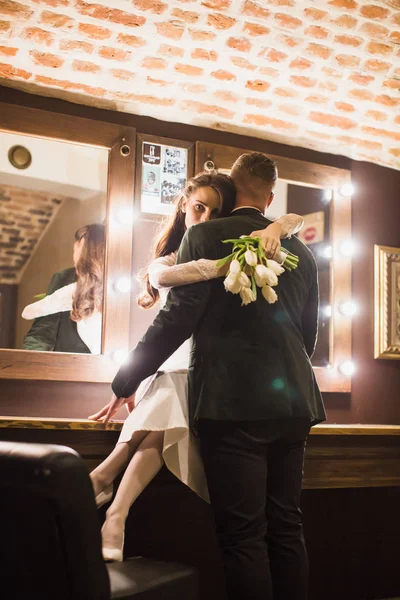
(326, 252)
(120, 356)
(327, 311)
(348, 308)
(125, 215)
(123, 284)
(347, 189)
(347, 248)
(347, 367)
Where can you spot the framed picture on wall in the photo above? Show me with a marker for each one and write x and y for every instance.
(387, 302)
(163, 167)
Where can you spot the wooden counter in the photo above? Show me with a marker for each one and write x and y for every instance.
(337, 456)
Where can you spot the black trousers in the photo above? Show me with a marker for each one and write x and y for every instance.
(254, 472)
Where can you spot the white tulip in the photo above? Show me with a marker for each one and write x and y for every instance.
(260, 275)
(244, 280)
(232, 284)
(250, 258)
(234, 267)
(269, 294)
(247, 296)
(271, 278)
(275, 267)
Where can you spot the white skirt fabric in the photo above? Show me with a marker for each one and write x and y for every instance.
(161, 404)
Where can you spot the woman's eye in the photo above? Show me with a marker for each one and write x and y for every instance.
(199, 207)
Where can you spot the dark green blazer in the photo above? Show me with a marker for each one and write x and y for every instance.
(247, 362)
(56, 332)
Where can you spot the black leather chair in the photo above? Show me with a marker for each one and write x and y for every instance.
(50, 536)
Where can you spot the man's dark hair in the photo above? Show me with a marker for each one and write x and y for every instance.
(254, 165)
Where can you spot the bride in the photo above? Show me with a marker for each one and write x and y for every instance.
(157, 430)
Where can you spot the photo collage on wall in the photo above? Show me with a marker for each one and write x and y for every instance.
(164, 174)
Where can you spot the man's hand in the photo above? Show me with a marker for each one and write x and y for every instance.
(109, 410)
(271, 239)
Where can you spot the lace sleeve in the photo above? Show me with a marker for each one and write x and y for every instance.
(165, 273)
(290, 224)
(58, 301)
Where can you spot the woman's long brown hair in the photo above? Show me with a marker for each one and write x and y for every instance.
(173, 230)
(88, 296)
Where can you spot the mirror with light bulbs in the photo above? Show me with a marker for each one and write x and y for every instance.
(66, 208)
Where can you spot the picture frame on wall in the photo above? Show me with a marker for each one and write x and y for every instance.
(387, 302)
(162, 169)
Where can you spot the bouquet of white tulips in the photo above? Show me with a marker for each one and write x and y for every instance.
(250, 269)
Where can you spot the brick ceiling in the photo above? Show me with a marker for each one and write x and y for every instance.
(322, 74)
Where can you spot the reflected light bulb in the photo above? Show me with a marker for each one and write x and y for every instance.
(125, 215)
(120, 356)
(347, 367)
(123, 284)
(326, 252)
(347, 189)
(327, 311)
(347, 248)
(328, 194)
(348, 308)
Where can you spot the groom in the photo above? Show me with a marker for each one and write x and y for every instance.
(252, 394)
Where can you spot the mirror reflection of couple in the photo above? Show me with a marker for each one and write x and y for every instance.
(229, 417)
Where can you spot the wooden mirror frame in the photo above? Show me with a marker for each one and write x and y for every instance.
(330, 378)
(119, 141)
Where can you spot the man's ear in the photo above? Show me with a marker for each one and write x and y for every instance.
(270, 199)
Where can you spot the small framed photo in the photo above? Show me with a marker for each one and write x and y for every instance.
(163, 167)
(387, 302)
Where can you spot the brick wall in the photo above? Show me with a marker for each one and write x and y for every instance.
(324, 75)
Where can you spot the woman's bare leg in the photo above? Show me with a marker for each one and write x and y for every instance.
(105, 473)
(143, 466)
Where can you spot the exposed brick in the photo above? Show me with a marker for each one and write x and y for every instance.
(345, 21)
(361, 79)
(122, 74)
(53, 3)
(291, 109)
(317, 99)
(151, 62)
(303, 81)
(315, 31)
(114, 53)
(242, 44)
(171, 30)
(15, 9)
(348, 40)
(94, 31)
(395, 37)
(39, 36)
(56, 20)
(273, 55)
(315, 14)
(259, 102)
(397, 120)
(282, 2)
(347, 61)
(85, 66)
(269, 72)
(225, 96)
(114, 15)
(199, 35)
(257, 85)
(243, 63)
(201, 54)
(5, 25)
(46, 59)
(393, 135)
(167, 50)
(395, 152)
(386, 100)
(361, 94)
(210, 109)
(188, 69)
(194, 88)
(145, 99)
(285, 92)
(376, 65)
(220, 21)
(287, 22)
(332, 73)
(318, 50)
(255, 30)
(302, 64)
(361, 143)
(255, 10)
(216, 4)
(393, 84)
(377, 115)
(131, 40)
(374, 30)
(69, 85)
(158, 82)
(289, 40)
(154, 6)
(223, 75)
(71, 45)
(332, 120)
(264, 121)
(379, 48)
(372, 11)
(328, 86)
(344, 4)
(8, 51)
(187, 16)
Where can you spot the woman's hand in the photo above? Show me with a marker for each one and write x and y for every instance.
(109, 410)
(271, 239)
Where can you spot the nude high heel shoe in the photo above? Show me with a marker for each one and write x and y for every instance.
(104, 496)
(114, 554)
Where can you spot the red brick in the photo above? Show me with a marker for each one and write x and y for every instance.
(282, 2)
(361, 79)
(242, 63)
(269, 72)
(144, 99)
(255, 10)
(345, 21)
(315, 14)
(287, 22)
(317, 99)
(349, 141)
(395, 37)
(376, 65)
(393, 83)
(200, 36)
(264, 121)
(332, 120)
(347, 61)
(56, 20)
(187, 16)
(131, 40)
(361, 94)
(194, 88)
(150, 62)
(377, 115)
(291, 109)
(46, 59)
(40, 36)
(69, 85)
(10, 72)
(316, 31)
(301, 64)
(318, 50)
(216, 4)
(53, 3)
(345, 4)
(154, 6)
(332, 73)
(289, 40)
(8, 51)
(210, 109)
(223, 75)
(328, 86)
(396, 18)
(121, 17)
(379, 48)
(255, 30)
(85, 66)
(158, 82)
(5, 25)
(386, 100)
(94, 32)
(348, 40)
(201, 54)
(259, 102)
(274, 56)
(393, 135)
(188, 69)
(15, 9)
(220, 21)
(395, 152)
(397, 120)
(374, 30)
(303, 81)
(71, 45)
(285, 92)
(171, 30)
(167, 50)
(241, 44)
(372, 11)
(225, 96)
(114, 53)
(122, 74)
(257, 85)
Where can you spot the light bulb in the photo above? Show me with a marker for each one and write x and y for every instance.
(347, 189)
(327, 311)
(120, 356)
(123, 284)
(347, 248)
(348, 308)
(347, 367)
(326, 252)
(126, 215)
(328, 194)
